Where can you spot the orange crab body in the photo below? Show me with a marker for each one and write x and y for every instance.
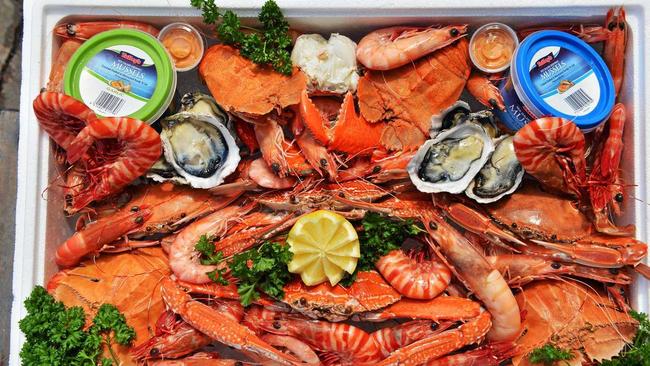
(242, 87)
(406, 98)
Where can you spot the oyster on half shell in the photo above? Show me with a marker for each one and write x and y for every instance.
(197, 144)
(449, 162)
(500, 176)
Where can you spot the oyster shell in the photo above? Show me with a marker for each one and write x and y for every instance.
(199, 103)
(162, 171)
(459, 113)
(197, 144)
(330, 65)
(500, 176)
(449, 162)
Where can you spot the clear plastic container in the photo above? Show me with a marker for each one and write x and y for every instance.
(492, 46)
(184, 44)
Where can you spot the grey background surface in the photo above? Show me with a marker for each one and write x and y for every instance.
(10, 58)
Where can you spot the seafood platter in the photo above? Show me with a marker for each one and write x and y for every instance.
(211, 183)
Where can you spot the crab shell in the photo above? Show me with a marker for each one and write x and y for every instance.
(130, 281)
(574, 316)
(535, 214)
(517, 178)
(461, 131)
(336, 303)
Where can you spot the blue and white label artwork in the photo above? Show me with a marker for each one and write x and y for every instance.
(565, 81)
(118, 81)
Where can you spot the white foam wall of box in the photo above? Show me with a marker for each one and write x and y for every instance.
(40, 225)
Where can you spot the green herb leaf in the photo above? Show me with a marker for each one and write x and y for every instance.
(638, 353)
(270, 46)
(209, 9)
(261, 269)
(380, 236)
(550, 354)
(55, 334)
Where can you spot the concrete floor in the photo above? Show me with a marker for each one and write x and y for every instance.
(10, 58)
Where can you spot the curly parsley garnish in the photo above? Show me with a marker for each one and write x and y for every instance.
(268, 46)
(55, 334)
(638, 353)
(549, 354)
(259, 269)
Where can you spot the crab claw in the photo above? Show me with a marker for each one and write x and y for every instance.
(313, 119)
(352, 133)
(219, 326)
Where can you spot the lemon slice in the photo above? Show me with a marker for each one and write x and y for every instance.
(324, 246)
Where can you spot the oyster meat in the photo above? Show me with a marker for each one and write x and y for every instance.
(197, 144)
(459, 113)
(500, 176)
(449, 162)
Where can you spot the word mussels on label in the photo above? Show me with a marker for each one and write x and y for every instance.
(556, 74)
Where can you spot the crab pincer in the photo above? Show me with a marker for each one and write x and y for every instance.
(219, 326)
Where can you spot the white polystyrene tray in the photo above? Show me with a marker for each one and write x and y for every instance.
(40, 226)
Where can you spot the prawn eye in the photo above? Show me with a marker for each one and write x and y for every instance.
(621, 25)
(454, 32)
(611, 25)
(619, 197)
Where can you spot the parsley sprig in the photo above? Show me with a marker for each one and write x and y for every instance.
(209, 256)
(638, 353)
(259, 269)
(269, 46)
(549, 354)
(55, 334)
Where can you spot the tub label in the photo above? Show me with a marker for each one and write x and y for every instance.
(118, 81)
(565, 81)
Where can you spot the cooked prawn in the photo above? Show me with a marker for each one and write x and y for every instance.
(295, 346)
(615, 43)
(552, 149)
(344, 344)
(604, 186)
(99, 233)
(390, 339)
(414, 279)
(61, 116)
(260, 173)
(478, 275)
(85, 30)
(115, 152)
(392, 47)
(271, 141)
(63, 56)
(184, 259)
(485, 92)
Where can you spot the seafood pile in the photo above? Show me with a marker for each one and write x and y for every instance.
(349, 211)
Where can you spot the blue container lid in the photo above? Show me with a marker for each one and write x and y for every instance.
(548, 39)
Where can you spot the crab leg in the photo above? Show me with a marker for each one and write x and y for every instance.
(478, 223)
(219, 326)
(519, 269)
(438, 345)
(440, 308)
